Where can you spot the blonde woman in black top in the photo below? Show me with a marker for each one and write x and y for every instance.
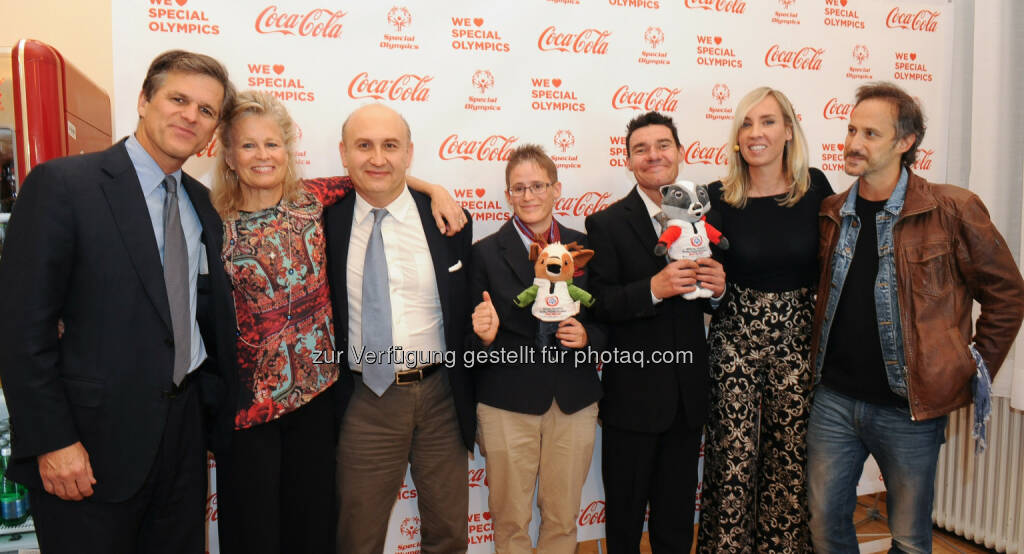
(754, 495)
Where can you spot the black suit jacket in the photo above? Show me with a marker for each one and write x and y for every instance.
(643, 398)
(503, 268)
(80, 248)
(445, 252)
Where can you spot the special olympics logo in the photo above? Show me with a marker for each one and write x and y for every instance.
(399, 18)
(696, 241)
(720, 92)
(787, 3)
(654, 36)
(410, 527)
(551, 301)
(564, 139)
(483, 80)
(860, 53)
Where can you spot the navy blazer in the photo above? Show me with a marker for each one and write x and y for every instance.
(80, 249)
(445, 252)
(503, 268)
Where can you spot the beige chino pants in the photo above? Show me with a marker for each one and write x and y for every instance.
(550, 451)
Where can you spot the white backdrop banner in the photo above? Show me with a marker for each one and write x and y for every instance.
(476, 79)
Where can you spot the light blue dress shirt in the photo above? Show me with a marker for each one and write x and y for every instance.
(151, 179)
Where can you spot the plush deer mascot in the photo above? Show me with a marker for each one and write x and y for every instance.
(552, 294)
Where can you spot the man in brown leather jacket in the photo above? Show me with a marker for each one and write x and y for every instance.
(902, 261)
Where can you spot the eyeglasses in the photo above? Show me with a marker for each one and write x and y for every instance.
(536, 188)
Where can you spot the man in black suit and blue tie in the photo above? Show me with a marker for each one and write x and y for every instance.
(106, 416)
(398, 287)
(652, 414)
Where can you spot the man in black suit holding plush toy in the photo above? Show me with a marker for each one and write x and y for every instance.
(655, 394)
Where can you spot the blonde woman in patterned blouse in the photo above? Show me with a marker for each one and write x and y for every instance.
(275, 473)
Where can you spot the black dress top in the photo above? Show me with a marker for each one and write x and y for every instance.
(772, 248)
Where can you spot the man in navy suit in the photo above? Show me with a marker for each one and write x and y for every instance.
(398, 288)
(105, 414)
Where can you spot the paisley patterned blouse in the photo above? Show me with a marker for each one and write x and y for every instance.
(275, 260)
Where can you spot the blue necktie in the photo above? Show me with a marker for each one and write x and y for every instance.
(376, 312)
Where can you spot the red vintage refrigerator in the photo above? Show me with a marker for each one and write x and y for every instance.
(48, 109)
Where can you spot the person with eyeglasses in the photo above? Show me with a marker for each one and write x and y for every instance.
(536, 419)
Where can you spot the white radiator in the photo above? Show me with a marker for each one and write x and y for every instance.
(981, 498)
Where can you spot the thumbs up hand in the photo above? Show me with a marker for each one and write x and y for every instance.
(485, 320)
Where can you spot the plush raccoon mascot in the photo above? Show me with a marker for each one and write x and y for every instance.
(686, 236)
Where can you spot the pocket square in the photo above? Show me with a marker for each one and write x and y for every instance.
(456, 267)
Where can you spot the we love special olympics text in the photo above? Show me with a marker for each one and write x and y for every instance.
(396, 355)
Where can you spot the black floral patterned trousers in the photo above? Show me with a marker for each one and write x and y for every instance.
(755, 494)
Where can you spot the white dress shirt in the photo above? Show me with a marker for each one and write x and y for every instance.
(417, 325)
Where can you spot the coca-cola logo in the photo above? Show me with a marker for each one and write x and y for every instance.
(319, 22)
(697, 153)
(495, 148)
(654, 36)
(583, 205)
(720, 92)
(483, 79)
(587, 41)
(564, 139)
(922, 20)
(593, 514)
(410, 527)
(661, 99)
(806, 58)
(211, 508)
(210, 150)
(409, 87)
(836, 110)
(727, 6)
(399, 18)
(860, 53)
(477, 477)
(924, 159)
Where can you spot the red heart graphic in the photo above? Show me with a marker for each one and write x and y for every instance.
(843, 2)
(556, 82)
(478, 21)
(718, 40)
(181, 2)
(841, 146)
(913, 56)
(279, 69)
(480, 193)
(487, 515)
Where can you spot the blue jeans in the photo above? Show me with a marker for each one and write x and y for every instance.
(840, 435)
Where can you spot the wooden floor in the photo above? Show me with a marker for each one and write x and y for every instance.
(872, 534)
